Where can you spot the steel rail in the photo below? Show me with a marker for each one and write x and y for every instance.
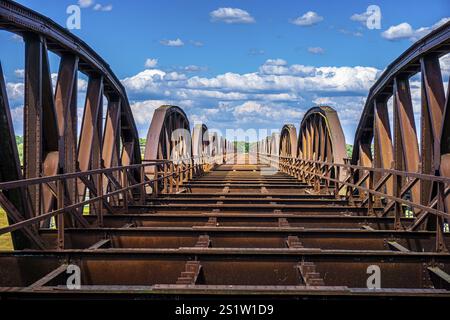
(405, 174)
(47, 179)
(74, 206)
(378, 193)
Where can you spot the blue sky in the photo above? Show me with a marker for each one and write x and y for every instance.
(256, 64)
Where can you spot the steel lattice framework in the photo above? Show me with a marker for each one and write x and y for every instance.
(50, 123)
(400, 150)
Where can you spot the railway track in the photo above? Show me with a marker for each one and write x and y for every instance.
(293, 243)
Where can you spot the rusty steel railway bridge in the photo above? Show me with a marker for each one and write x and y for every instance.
(295, 217)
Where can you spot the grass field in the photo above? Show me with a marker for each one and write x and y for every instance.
(5, 239)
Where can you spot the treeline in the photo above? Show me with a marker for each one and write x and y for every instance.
(19, 142)
(349, 148)
(240, 146)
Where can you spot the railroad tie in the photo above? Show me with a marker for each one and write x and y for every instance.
(203, 241)
(101, 244)
(395, 246)
(293, 242)
(283, 223)
(129, 225)
(49, 277)
(441, 274)
(191, 273)
(212, 222)
(309, 274)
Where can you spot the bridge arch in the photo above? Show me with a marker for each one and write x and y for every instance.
(169, 135)
(404, 149)
(200, 142)
(215, 143)
(274, 145)
(264, 145)
(288, 141)
(321, 136)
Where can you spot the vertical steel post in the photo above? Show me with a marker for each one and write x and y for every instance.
(398, 206)
(370, 211)
(156, 182)
(100, 201)
(125, 193)
(142, 186)
(172, 176)
(440, 241)
(60, 217)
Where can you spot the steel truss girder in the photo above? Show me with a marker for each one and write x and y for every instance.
(403, 152)
(50, 120)
(10, 170)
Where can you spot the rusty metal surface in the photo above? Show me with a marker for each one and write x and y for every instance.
(200, 141)
(160, 137)
(321, 136)
(336, 255)
(407, 64)
(247, 236)
(402, 152)
(288, 141)
(50, 119)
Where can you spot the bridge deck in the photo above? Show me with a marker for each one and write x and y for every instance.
(234, 230)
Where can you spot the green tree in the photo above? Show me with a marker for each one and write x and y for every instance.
(349, 148)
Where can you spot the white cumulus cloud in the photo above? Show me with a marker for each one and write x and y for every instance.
(316, 50)
(276, 93)
(143, 110)
(231, 15)
(193, 68)
(406, 31)
(151, 63)
(361, 17)
(172, 43)
(400, 31)
(99, 7)
(196, 43)
(85, 3)
(308, 19)
(20, 73)
(253, 111)
(15, 91)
